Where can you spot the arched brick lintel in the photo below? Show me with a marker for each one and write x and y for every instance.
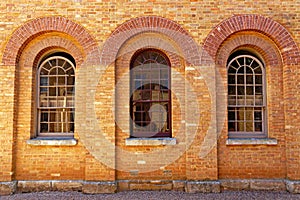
(279, 34)
(29, 30)
(156, 24)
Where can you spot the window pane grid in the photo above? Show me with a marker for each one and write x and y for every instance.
(245, 95)
(56, 99)
(150, 99)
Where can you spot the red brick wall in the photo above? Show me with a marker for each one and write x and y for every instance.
(102, 37)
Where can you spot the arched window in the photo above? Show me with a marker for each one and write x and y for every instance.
(150, 102)
(246, 96)
(56, 96)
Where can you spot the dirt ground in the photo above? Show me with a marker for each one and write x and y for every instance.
(154, 195)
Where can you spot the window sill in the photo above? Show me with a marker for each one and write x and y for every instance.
(150, 141)
(52, 142)
(251, 141)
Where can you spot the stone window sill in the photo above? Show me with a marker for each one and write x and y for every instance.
(150, 141)
(251, 141)
(52, 141)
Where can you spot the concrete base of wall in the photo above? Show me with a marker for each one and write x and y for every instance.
(8, 188)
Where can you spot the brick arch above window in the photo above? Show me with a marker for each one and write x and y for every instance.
(31, 55)
(154, 24)
(275, 31)
(32, 29)
(257, 42)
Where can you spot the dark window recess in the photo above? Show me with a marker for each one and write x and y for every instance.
(150, 100)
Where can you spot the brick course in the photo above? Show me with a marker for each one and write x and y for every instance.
(102, 37)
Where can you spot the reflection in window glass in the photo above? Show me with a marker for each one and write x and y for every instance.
(150, 94)
(56, 97)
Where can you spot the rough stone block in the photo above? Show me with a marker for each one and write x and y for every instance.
(179, 186)
(34, 186)
(123, 186)
(7, 188)
(66, 186)
(235, 184)
(203, 187)
(99, 187)
(275, 185)
(151, 185)
(293, 186)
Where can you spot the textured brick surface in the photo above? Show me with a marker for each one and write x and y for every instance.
(102, 37)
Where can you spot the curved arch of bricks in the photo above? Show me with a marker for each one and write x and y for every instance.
(34, 53)
(156, 24)
(257, 42)
(275, 31)
(23, 35)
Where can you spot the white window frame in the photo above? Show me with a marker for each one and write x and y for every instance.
(60, 106)
(257, 104)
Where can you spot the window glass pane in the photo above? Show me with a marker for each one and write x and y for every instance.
(43, 81)
(240, 79)
(249, 71)
(258, 70)
(231, 70)
(165, 84)
(258, 90)
(53, 71)
(241, 90)
(240, 126)
(44, 117)
(45, 68)
(240, 114)
(245, 96)
(249, 126)
(231, 115)
(249, 79)
(137, 84)
(231, 79)
(62, 63)
(164, 73)
(149, 105)
(61, 80)
(231, 126)
(248, 61)
(258, 79)
(231, 100)
(146, 94)
(241, 100)
(249, 114)
(136, 95)
(240, 70)
(71, 80)
(258, 115)
(164, 95)
(52, 81)
(258, 126)
(52, 91)
(231, 90)
(43, 127)
(240, 61)
(249, 90)
(56, 96)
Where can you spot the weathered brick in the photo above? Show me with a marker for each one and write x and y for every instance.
(102, 37)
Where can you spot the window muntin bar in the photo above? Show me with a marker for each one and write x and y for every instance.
(246, 99)
(56, 97)
(150, 95)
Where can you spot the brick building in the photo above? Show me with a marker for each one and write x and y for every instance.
(105, 96)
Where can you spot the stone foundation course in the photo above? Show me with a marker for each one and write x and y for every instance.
(88, 187)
